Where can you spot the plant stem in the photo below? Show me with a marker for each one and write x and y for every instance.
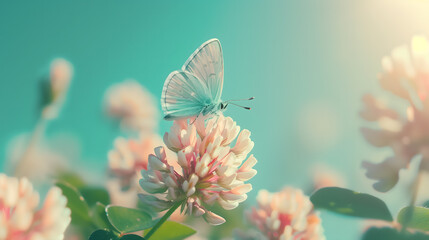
(413, 200)
(36, 135)
(163, 219)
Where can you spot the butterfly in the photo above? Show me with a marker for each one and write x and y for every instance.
(197, 88)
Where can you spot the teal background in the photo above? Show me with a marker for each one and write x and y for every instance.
(287, 54)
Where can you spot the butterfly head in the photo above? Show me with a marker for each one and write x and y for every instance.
(223, 106)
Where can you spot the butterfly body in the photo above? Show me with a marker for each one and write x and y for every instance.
(206, 109)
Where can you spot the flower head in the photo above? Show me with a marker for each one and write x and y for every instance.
(211, 167)
(133, 105)
(61, 73)
(21, 221)
(286, 215)
(60, 76)
(131, 156)
(126, 161)
(405, 131)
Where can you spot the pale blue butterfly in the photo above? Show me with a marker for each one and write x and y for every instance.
(197, 88)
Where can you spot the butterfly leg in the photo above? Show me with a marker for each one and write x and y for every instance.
(197, 116)
(195, 119)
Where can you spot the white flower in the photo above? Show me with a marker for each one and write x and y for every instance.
(133, 105)
(286, 215)
(212, 168)
(21, 220)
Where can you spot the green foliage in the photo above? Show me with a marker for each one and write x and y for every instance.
(415, 217)
(127, 220)
(392, 234)
(93, 195)
(99, 216)
(350, 203)
(88, 210)
(172, 231)
(72, 179)
(103, 235)
(131, 237)
(76, 203)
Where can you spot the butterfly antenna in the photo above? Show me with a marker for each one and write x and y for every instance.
(247, 108)
(236, 100)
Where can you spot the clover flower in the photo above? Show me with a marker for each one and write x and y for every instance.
(405, 131)
(129, 157)
(133, 105)
(211, 168)
(126, 161)
(286, 215)
(19, 218)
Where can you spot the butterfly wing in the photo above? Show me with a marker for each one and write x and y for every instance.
(206, 63)
(183, 95)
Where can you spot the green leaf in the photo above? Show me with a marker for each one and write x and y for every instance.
(72, 179)
(127, 220)
(93, 195)
(172, 231)
(76, 203)
(99, 216)
(392, 234)
(419, 217)
(350, 203)
(102, 235)
(131, 237)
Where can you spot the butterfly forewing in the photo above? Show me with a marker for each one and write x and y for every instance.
(206, 63)
(183, 95)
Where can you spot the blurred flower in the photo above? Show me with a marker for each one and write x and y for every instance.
(406, 132)
(119, 196)
(21, 221)
(40, 160)
(129, 157)
(61, 73)
(211, 169)
(248, 234)
(126, 161)
(324, 176)
(133, 105)
(286, 215)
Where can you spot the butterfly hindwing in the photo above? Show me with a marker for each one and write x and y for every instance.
(183, 95)
(206, 63)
